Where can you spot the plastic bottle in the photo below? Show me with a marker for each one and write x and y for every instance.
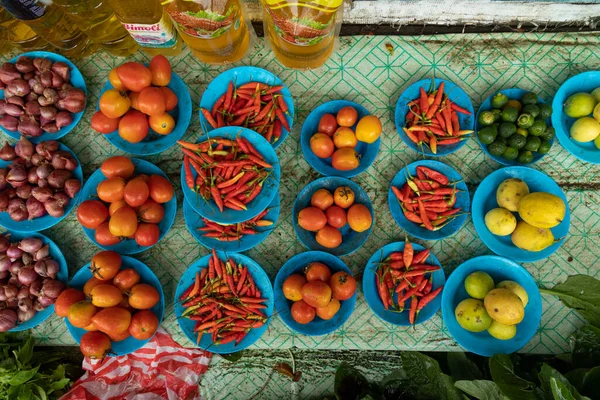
(48, 21)
(149, 24)
(302, 32)
(215, 31)
(20, 35)
(5, 46)
(98, 21)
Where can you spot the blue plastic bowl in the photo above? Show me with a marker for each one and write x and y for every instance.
(45, 222)
(317, 326)
(194, 222)
(499, 269)
(584, 82)
(155, 143)
(463, 200)
(485, 199)
(262, 283)
(239, 76)
(513, 94)
(130, 344)
(63, 276)
(369, 285)
(265, 197)
(368, 152)
(351, 240)
(129, 246)
(456, 94)
(76, 80)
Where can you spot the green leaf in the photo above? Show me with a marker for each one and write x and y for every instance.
(581, 293)
(512, 386)
(233, 357)
(26, 351)
(21, 377)
(41, 392)
(461, 368)
(587, 381)
(559, 390)
(481, 390)
(25, 392)
(349, 383)
(59, 372)
(547, 373)
(58, 385)
(585, 346)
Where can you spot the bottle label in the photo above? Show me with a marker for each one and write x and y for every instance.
(25, 9)
(206, 24)
(159, 35)
(302, 31)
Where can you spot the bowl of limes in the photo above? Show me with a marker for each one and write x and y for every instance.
(513, 127)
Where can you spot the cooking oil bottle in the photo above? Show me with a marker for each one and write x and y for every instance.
(214, 30)
(149, 24)
(98, 20)
(4, 43)
(21, 36)
(302, 32)
(48, 21)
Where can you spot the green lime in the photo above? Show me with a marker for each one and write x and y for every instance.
(507, 129)
(499, 100)
(522, 132)
(488, 134)
(497, 114)
(545, 111)
(514, 104)
(497, 148)
(510, 114)
(486, 118)
(517, 141)
(501, 139)
(533, 143)
(531, 109)
(529, 98)
(525, 120)
(544, 147)
(510, 153)
(538, 128)
(525, 157)
(548, 133)
(478, 284)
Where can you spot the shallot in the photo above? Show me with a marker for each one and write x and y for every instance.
(8, 320)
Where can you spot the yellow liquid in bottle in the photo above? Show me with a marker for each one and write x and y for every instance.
(20, 35)
(48, 21)
(98, 20)
(149, 24)
(301, 32)
(215, 31)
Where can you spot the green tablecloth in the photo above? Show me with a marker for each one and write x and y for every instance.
(363, 70)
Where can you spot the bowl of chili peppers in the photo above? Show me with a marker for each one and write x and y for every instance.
(429, 199)
(434, 117)
(229, 176)
(223, 302)
(232, 237)
(402, 283)
(252, 98)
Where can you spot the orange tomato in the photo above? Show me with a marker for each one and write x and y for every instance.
(115, 206)
(95, 345)
(123, 222)
(91, 284)
(329, 310)
(329, 237)
(162, 124)
(316, 293)
(316, 271)
(344, 137)
(161, 189)
(66, 299)
(336, 216)
(111, 189)
(151, 212)
(105, 265)
(126, 279)
(136, 192)
(134, 76)
(343, 196)
(359, 218)
(113, 320)
(292, 287)
(102, 124)
(343, 285)
(321, 145)
(312, 219)
(117, 166)
(114, 104)
(119, 336)
(147, 234)
(134, 99)
(171, 99)
(114, 80)
(368, 129)
(322, 199)
(133, 127)
(347, 116)
(81, 313)
(302, 313)
(152, 101)
(344, 159)
(160, 68)
(143, 325)
(90, 328)
(143, 297)
(106, 295)
(328, 124)
(91, 213)
(104, 237)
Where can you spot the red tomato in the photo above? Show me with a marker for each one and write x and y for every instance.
(343, 285)
(92, 213)
(151, 212)
(328, 124)
(161, 190)
(102, 124)
(161, 70)
(104, 237)
(147, 234)
(336, 216)
(133, 97)
(120, 166)
(322, 145)
(114, 104)
(152, 101)
(347, 116)
(136, 192)
(133, 127)
(171, 99)
(345, 159)
(123, 222)
(134, 76)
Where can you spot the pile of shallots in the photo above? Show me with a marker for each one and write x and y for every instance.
(28, 281)
(39, 180)
(38, 96)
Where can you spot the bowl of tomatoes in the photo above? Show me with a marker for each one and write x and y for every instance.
(128, 205)
(333, 214)
(315, 293)
(143, 109)
(340, 138)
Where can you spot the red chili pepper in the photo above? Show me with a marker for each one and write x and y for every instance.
(189, 178)
(455, 123)
(408, 253)
(281, 117)
(450, 212)
(428, 298)
(435, 175)
(459, 109)
(436, 102)
(423, 101)
(421, 256)
(398, 193)
(423, 215)
(411, 216)
(257, 189)
(403, 285)
(217, 104)
(447, 142)
(282, 104)
(209, 117)
(228, 96)
(383, 293)
(413, 310)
